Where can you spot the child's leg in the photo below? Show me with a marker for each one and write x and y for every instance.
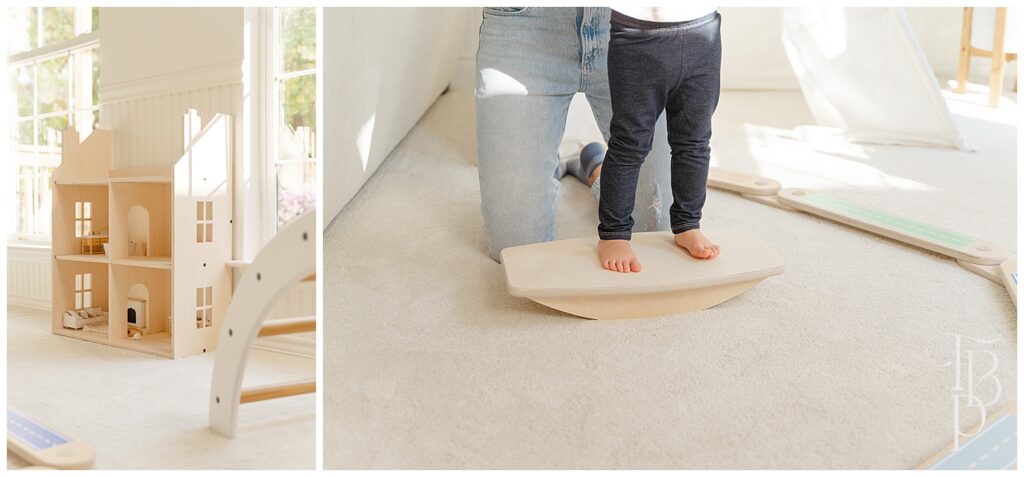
(638, 86)
(689, 108)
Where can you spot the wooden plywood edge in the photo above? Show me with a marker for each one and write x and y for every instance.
(618, 306)
(742, 183)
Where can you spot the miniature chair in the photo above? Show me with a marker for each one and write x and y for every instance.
(999, 53)
(288, 258)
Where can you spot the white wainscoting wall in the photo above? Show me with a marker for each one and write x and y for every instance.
(29, 270)
(299, 300)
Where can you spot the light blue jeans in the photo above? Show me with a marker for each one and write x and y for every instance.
(530, 63)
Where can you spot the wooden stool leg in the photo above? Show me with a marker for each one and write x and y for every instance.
(995, 81)
(965, 52)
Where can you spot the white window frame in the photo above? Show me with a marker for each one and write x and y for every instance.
(264, 118)
(81, 42)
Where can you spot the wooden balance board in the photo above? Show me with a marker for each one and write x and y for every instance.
(929, 237)
(566, 275)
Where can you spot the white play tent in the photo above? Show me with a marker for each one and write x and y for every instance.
(865, 78)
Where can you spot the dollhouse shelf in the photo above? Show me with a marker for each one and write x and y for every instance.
(162, 276)
(147, 262)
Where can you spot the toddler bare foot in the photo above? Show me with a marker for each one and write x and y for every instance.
(617, 256)
(697, 244)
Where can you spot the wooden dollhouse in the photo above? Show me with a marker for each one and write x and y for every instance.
(146, 248)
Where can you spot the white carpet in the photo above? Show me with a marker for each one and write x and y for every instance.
(144, 412)
(838, 363)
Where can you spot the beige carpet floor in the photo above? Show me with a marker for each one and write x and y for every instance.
(144, 412)
(841, 362)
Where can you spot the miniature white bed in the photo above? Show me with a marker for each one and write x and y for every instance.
(288, 258)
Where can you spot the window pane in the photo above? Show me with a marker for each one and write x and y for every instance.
(25, 142)
(52, 85)
(95, 71)
(87, 210)
(209, 296)
(58, 24)
(44, 201)
(95, 19)
(24, 31)
(23, 210)
(209, 210)
(78, 210)
(87, 300)
(87, 281)
(199, 298)
(23, 84)
(78, 301)
(50, 138)
(78, 282)
(296, 163)
(298, 104)
(298, 38)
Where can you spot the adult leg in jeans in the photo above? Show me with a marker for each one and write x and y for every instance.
(528, 68)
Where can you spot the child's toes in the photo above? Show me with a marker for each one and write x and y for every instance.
(634, 265)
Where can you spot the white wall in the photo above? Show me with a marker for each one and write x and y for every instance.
(146, 43)
(753, 57)
(383, 68)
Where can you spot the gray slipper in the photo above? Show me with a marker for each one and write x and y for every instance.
(591, 156)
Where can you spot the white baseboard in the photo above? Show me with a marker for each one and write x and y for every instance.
(296, 345)
(29, 302)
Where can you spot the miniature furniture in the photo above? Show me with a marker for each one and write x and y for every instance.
(288, 258)
(45, 448)
(178, 280)
(566, 275)
(93, 244)
(999, 54)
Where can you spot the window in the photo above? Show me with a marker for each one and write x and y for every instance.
(83, 219)
(204, 221)
(53, 66)
(294, 156)
(83, 291)
(204, 307)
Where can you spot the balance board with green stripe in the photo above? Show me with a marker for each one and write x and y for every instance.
(930, 237)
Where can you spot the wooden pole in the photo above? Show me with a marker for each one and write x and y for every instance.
(274, 391)
(288, 326)
(965, 51)
(995, 81)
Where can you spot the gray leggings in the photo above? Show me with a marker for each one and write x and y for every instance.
(655, 67)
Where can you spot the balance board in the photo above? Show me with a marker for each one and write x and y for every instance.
(929, 237)
(45, 447)
(566, 275)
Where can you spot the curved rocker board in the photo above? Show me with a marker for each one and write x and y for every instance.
(288, 258)
(742, 183)
(906, 230)
(566, 275)
(990, 272)
(44, 447)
